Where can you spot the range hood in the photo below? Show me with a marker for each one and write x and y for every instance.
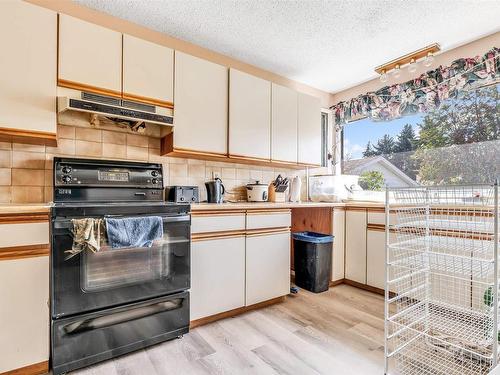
(113, 108)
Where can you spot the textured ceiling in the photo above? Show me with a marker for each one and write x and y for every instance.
(330, 45)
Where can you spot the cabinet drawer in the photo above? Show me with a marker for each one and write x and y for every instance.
(218, 223)
(375, 217)
(24, 234)
(269, 219)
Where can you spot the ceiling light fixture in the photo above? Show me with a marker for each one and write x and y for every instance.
(397, 72)
(429, 59)
(383, 77)
(410, 60)
(412, 68)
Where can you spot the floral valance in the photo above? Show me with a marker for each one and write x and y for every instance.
(424, 93)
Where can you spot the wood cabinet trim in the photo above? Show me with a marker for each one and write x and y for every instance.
(209, 212)
(34, 369)
(234, 312)
(195, 237)
(376, 227)
(21, 252)
(268, 211)
(267, 231)
(351, 208)
(24, 218)
(88, 88)
(364, 286)
(152, 101)
(28, 136)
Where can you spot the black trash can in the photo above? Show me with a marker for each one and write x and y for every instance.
(312, 260)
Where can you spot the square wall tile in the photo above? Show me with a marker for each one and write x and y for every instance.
(28, 147)
(5, 159)
(65, 131)
(114, 151)
(114, 137)
(27, 194)
(178, 170)
(137, 140)
(88, 134)
(29, 160)
(28, 177)
(137, 153)
(5, 176)
(5, 194)
(196, 171)
(64, 147)
(84, 148)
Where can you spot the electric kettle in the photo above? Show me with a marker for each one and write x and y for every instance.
(215, 191)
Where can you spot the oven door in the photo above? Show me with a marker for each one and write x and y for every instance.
(90, 281)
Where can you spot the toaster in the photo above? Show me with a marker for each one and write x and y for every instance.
(182, 194)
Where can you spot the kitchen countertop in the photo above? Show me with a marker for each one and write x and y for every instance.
(18, 208)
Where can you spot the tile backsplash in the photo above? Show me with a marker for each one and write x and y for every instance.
(26, 170)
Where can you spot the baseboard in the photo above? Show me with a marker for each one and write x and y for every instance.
(34, 369)
(364, 286)
(234, 312)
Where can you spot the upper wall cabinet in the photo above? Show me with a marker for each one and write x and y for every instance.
(201, 93)
(148, 71)
(90, 57)
(28, 36)
(249, 116)
(309, 130)
(284, 124)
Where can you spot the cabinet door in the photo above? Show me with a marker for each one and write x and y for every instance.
(338, 244)
(201, 92)
(90, 56)
(28, 36)
(24, 312)
(249, 116)
(217, 276)
(355, 248)
(148, 71)
(309, 130)
(267, 267)
(375, 258)
(284, 124)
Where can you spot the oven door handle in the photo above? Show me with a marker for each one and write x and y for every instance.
(67, 224)
(121, 317)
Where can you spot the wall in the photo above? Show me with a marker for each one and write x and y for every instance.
(26, 170)
(474, 48)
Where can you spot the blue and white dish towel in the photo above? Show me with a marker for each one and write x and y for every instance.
(134, 231)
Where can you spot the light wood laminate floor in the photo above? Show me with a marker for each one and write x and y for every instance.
(337, 332)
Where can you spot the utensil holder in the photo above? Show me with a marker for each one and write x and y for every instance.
(276, 197)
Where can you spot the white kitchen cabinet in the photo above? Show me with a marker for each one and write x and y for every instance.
(355, 249)
(267, 266)
(221, 222)
(277, 219)
(338, 244)
(24, 312)
(249, 116)
(148, 71)
(24, 234)
(90, 56)
(28, 36)
(309, 129)
(201, 105)
(217, 276)
(375, 258)
(284, 124)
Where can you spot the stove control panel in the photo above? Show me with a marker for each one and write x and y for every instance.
(106, 173)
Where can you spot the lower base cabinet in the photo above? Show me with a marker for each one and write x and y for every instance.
(267, 266)
(217, 276)
(375, 258)
(24, 312)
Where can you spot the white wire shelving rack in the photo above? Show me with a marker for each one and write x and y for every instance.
(441, 290)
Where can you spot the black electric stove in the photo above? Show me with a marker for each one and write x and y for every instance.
(111, 302)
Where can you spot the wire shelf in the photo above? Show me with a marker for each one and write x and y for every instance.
(441, 257)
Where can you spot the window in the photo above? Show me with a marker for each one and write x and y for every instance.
(325, 147)
(458, 142)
